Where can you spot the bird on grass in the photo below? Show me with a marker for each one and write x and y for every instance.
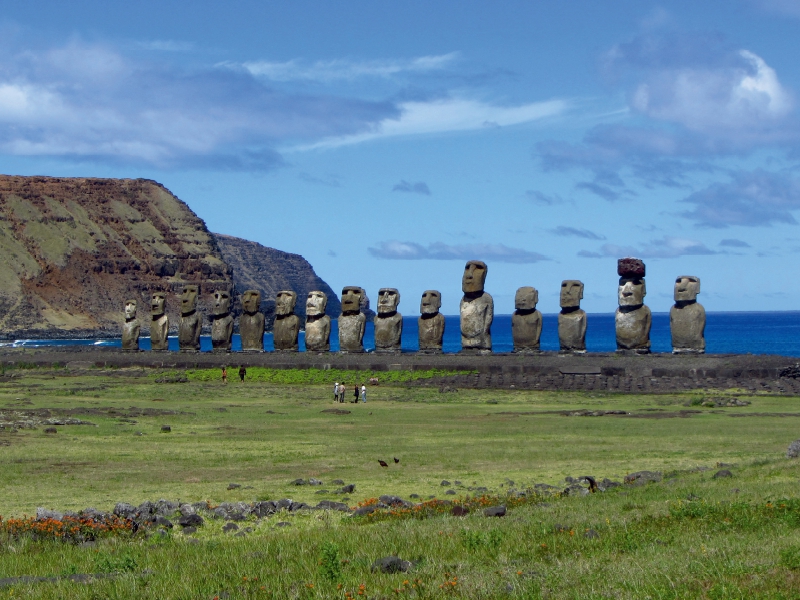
(383, 464)
(396, 460)
(592, 483)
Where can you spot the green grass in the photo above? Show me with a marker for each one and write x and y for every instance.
(734, 539)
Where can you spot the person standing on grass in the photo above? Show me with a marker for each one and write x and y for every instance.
(242, 373)
(355, 394)
(336, 392)
(341, 392)
(225, 375)
(364, 394)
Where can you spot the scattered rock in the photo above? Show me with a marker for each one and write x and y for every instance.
(722, 473)
(459, 511)
(576, 490)
(233, 486)
(187, 509)
(444, 483)
(457, 482)
(193, 520)
(166, 429)
(189, 530)
(298, 482)
(230, 527)
(336, 411)
(178, 378)
(365, 510)
(643, 477)
(450, 493)
(347, 489)
(794, 450)
(313, 481)
(44, 513)
(591, 534)
(50, 430)
(283, 524)
(163, 522)
(337, 482)
(413, 496)
(393, 501)
(264, 508)
(124, 510)
(330, 505)
(495, 511)
(391, 564)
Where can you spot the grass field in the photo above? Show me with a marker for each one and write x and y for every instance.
(735, 537)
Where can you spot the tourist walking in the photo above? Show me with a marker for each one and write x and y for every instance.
(355, 395)
(336, 392)
(224, 374)
(364, 394)
(242, 373)
(341, 392)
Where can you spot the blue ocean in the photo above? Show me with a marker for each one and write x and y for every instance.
(726, 333)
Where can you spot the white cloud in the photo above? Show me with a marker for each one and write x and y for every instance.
(397, 250)
(332, 70)
(446, 115)
(666, 247)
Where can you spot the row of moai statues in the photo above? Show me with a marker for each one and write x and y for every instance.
(632, 318)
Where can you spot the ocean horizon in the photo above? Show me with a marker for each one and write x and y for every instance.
(729, 332)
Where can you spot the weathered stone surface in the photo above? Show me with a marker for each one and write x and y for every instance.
(526, 322)
(352, 321)
(633, 318)
(477, 309)
(793, 451)
(388, 322)
(572, 319)
(687, 318)
(221, 322)
(630, 268)
(318, 324)
(251, 323)
(159, 321)
(495, 511)
(391, 564)
(131, 327)
(286, 329)
(430, 322)
(189, 330)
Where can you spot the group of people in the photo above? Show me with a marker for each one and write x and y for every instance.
(242, 374)
(340, 389)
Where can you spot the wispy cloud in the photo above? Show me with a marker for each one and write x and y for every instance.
(543, 199)
(666, 247)
(396, 250)
(166, 45)
(327, 180)
(734, 243)
(327, 71)
(564, 231)
(420, 187)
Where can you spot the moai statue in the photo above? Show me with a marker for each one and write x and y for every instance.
(251, 323)
(477, 310)
(352, 321)
(318, 324)
(632, 318)
(388, 322)
(130, 328)
(189, 329)
(572, 318)
(221, 322)
(159, 322)
(687, 319)
(526, 322)
(286, 328)
(430, 322)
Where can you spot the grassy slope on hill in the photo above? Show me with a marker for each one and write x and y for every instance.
(651, 542)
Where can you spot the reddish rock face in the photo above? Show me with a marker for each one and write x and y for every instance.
(630, 268)
(76, 249)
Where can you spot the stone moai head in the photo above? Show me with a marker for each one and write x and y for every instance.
(284, 303)
(316, 302)
(351, 298)
(188, 299)
(571, 293)
(251, 301)
(222, 302)
(158, 303)
(631, 290)
(526, 298)
(686, 288)
(130, 309)
(474, 277)
(388, 299)
(431, 302)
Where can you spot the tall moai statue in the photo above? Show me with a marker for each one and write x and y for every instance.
(130, 328)
(526, 322)
(159, 322)
(477, 310)
(189, 329)
(430, 322)
(388, 322)
(572, 318)
(251, 323)
(633, 318)
(221, 322)
(286, 328)
(352, 321)
(318, 324)
(687, 318)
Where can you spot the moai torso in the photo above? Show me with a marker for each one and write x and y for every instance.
(633, 318)
(130, 328)
(318, 324)
(286, 328)
(221, 322)
(477, 310)
(571, 319)
(352, 321)
(251, 323)
(159, 322)
(189, 328)
(526, 322)
(388, 322)
(430, 322)
(687, 318)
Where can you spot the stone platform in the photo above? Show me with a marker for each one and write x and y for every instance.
(602, 372)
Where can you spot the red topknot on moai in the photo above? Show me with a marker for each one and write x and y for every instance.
(633, 318)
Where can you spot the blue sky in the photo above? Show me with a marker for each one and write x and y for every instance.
(389, 142)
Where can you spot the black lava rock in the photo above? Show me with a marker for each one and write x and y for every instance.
(495, 511)
(391, 564)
